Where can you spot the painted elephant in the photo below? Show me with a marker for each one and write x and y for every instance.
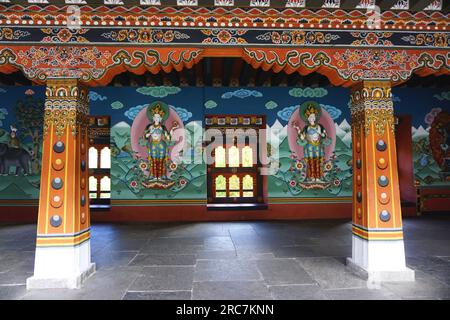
(18, 158)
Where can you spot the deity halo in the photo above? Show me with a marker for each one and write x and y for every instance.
(158, 107)
(309, 107)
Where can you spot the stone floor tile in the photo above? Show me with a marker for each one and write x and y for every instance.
(226, 270)
(330, 273)
(163, 260)
(283, 271)
(231, 290)
(297, 292)
(164, 278)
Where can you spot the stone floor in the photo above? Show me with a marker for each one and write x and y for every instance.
(231, 260)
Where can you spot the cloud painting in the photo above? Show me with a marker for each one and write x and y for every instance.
(158, 92)
(242, 94)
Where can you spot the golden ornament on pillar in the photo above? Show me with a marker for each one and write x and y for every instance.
(58, 164)
(382, 163)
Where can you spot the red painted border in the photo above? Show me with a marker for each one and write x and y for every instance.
(200, 213)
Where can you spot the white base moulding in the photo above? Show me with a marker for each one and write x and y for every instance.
(379, 261)
(61, 267)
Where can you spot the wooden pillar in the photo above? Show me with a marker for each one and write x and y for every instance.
(63, 257)
(377, 233)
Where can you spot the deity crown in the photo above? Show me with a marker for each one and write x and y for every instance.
(158, 110)
(310, 110)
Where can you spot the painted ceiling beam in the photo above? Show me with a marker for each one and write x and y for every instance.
(237, 66)
(293, 79)
(190, 75)
(217, 66)
(278, 78)
(227, 70)
(174, 77)
(199, 74)
(245, 72)
(207, 72)
(262, 76)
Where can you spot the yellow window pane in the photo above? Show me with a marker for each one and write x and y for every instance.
(105, 195)
(105, 184)
(247, 156)
(92, 184)
(247, 182)
(234, 182)
(105, 158)
(221, 194)
(220, 157)
(234, 194)
(233, 157)
(221, 183)
(93, 157)
(93, 195)
(248, 193)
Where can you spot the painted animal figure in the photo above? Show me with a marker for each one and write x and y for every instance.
(15, 157)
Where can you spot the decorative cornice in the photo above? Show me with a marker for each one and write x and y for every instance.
(102, 36)
(151, 16)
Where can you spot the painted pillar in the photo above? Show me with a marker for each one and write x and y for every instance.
(63, 257)
(378, 252)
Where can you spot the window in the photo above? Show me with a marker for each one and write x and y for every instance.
(92, 187)
(99, 162)
(105, 158)
(105, 187)
(247, 186)
(247, 156)
(93, 158)
(234, 185)
(234, 174)
(221, 186)
(220, 157)
(233, 156)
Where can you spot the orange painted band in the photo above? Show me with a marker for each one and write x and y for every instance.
(62, 241)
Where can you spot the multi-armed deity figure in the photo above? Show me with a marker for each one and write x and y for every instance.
(313, 138)
(158, 140)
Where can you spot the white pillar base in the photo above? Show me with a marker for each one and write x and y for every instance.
(61, 267)
(379, 261)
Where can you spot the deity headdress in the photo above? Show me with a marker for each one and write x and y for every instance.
(160, 108)
(309, 107)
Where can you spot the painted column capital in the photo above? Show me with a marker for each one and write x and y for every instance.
(371, 102)
(66, 104)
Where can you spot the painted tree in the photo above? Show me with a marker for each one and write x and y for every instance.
(30, 119)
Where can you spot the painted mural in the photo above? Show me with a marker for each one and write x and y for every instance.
(21, 120)
(429, 132)
(150, 156)
(156, 138)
